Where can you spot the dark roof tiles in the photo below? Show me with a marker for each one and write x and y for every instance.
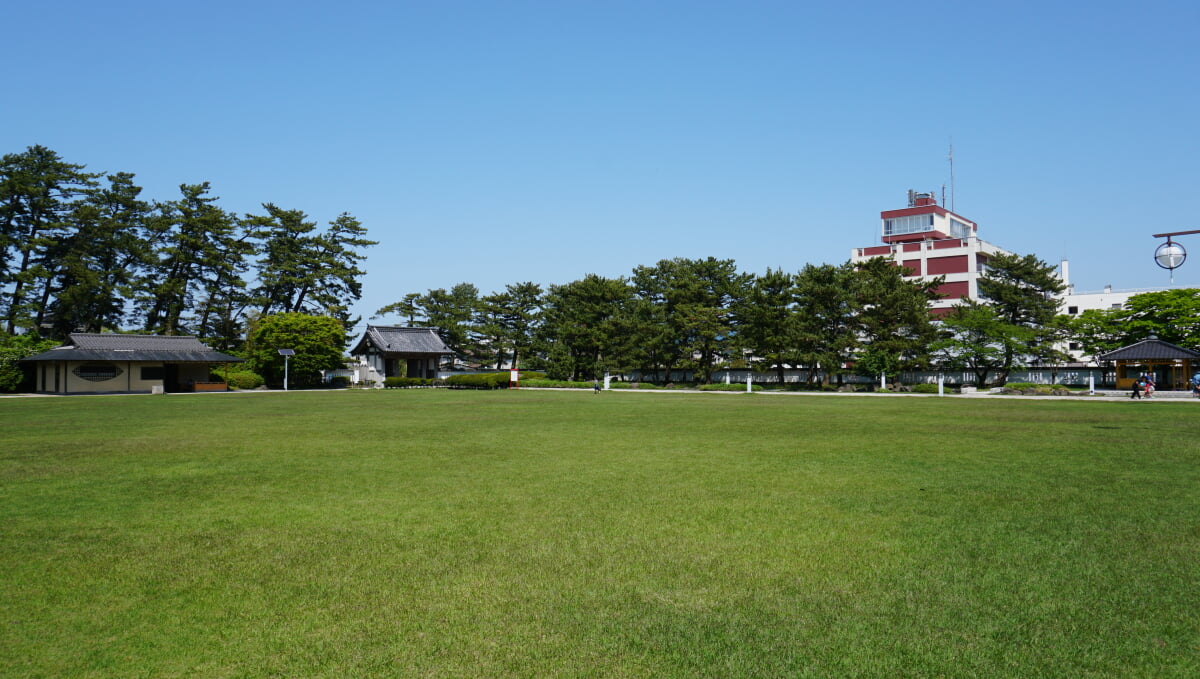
(398, 340)
(84, 346)
(1150, 349)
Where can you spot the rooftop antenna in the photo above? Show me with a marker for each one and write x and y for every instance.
(951, 159)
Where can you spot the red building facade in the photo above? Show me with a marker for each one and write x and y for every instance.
(932, 241)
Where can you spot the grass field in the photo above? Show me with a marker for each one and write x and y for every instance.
(432, 533)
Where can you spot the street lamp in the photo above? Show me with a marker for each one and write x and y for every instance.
(1171, 255)
(286, 354)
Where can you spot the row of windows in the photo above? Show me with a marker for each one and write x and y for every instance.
(898, 226)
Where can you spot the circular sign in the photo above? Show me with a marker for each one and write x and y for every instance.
(1170, 255)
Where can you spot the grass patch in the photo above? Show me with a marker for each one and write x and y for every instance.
(530, 533)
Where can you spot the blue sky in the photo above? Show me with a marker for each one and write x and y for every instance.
(500, 142)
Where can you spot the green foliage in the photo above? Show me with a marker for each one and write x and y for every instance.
(1171, 315)
(979, 340)
(925, 388)
(586, 327)
(407, 382)
(317, 340)
(827, 310)
(479, 381)
(303, 271)
(1023, 293)
(894, 320)
(682, 314)
(768, 327)
(728, 387)
(13, 348)
(241, 379)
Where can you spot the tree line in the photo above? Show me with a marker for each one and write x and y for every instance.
(701, 315)
(84, 251)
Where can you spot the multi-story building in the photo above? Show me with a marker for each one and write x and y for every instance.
(933, 241)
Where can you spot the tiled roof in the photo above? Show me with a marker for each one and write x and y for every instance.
(396, 340)
(82, 346)
(1149, 350)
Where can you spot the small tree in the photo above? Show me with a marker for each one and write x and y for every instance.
(977, 339)
(13, 348)
(317, 340)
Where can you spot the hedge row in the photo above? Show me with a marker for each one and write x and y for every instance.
(479, 381)
(727, 387)
(409, 382)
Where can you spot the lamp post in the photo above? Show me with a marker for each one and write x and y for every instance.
(286, 354)
(1171, 255)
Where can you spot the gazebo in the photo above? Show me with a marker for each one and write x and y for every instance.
(1169, 364)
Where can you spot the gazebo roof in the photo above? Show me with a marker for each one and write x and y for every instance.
(1152, 349)
(88, 346)
(396, 340)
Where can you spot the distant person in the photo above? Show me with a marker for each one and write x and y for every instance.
(1137, 389)
(595, 386)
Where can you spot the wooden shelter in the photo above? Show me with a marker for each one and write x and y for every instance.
(1170, 365)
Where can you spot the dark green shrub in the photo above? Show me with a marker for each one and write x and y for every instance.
(925, 388)
(479, 381)
(242, 379)
(728, 387)
(406, 382)
(339, 382)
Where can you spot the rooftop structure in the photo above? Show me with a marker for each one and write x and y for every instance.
(932, 241)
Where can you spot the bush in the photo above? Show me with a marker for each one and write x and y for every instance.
(339, 382)
(727, 387)
(925, 388)
(479, 381)
(242, 379)
(406, 382)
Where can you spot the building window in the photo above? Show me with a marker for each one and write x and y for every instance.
(1074, 346)
(959, 229)
(152, 372)
(899, 226)
(1072, 310)
(97, 372)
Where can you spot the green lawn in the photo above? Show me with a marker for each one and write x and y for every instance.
(436, 533)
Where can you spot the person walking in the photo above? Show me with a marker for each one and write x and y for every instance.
(1137, 389)
(596, 387)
